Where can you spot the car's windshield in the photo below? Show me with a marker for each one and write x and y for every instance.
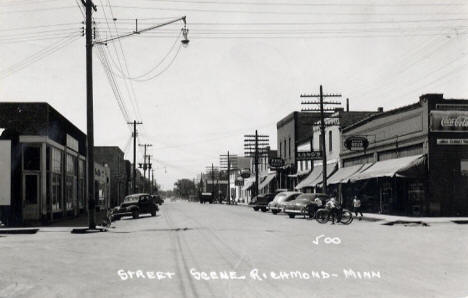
(305, 197)
(131, 199)
(279, 197)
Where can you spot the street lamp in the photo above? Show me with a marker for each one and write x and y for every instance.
(185, 41)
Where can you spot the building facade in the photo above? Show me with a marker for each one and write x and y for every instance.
(416, 160)
(43, 162)
(292, 132)
(113, 157)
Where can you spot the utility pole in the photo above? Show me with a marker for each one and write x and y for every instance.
(149, 171)
(135, 123)
(229, 180)
(228, 162)
(322, 127)
(152, 181)
(145, 166)
(90, 114)
(256, 146)
(212, 182)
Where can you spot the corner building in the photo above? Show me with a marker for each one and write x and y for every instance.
(416, 163)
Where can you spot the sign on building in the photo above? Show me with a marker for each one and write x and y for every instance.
(309, 155)
(464, 167)
(5, 173)
(356, 143)
(449, 121)
(452, 141)
(276, 162)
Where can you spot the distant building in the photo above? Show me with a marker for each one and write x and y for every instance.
(334, 125)
(113, 157)
(294, 129)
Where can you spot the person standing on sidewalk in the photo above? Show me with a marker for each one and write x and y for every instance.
(357, 206)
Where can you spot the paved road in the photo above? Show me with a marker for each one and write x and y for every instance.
(268, 255)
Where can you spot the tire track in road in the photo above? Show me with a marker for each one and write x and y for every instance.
(180, 260)
(184, 248)
(221, 246)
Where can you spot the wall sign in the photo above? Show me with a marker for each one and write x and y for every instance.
(354, 143)
(245, 173)
(276, 162)
(309, 155)
(452, 141)
(449, 121)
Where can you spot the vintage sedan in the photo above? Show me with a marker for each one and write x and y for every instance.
(260, 202)
(305, 204)
(134, 205)
(280, 199)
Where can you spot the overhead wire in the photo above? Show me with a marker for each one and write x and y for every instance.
(129, 86)
(41, 54)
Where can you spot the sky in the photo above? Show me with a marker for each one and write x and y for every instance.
(244, 69)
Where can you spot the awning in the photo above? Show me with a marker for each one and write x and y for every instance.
(315, 177)
(343, 174)
(248, 184)
(409, 167)
(267, 181)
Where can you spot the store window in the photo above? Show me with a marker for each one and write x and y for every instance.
(31, 158)
(81, 184)
(56, 179)
(386, 193)
(70, 182)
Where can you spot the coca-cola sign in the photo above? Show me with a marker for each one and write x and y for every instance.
(449, 121)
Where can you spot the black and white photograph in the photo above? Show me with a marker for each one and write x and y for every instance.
(233, 148)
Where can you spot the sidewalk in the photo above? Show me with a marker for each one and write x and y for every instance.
(395, 219)
(389, 219)
(66, 224)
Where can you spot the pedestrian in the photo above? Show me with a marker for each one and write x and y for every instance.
(314, 207)
(357, 206)
(332, 207)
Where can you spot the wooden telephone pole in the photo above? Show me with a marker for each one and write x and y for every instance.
(322, 125)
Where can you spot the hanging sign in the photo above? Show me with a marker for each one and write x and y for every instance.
(276, 162)
(356, 143)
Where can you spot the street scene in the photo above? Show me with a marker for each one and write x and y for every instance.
(267, 148)
(194, 250)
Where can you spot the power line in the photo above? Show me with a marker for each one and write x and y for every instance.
(38, 56)
(284, 12)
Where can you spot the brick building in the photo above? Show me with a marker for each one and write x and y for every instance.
(416, 162)
(113, 157)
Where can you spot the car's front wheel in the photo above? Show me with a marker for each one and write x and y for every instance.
(135, 214)
(274, 211)
(292, 215)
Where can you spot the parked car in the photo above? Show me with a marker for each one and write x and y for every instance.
(304, 204)
(280, 199)
(157, 199)
(134, 205)
(260, 202)
(206, 197)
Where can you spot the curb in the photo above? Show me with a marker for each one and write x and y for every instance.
(19, 231)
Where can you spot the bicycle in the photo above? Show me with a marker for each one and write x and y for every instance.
(107, 220)
(344, 216)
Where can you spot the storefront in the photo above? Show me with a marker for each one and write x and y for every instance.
(416, 155)
(45, 152)
(312, 183)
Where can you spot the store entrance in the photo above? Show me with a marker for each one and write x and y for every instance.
(31, 193)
